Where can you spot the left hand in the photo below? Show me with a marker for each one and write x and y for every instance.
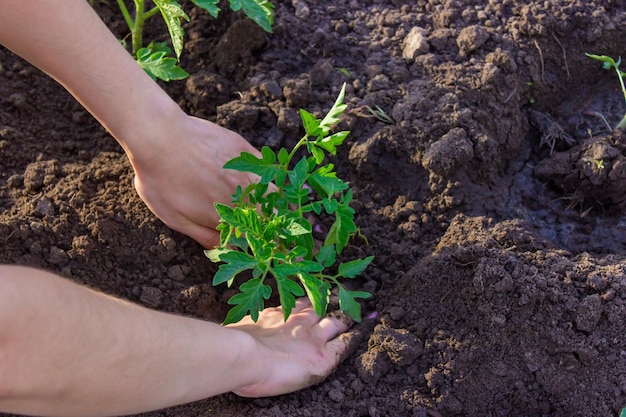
(184, 176)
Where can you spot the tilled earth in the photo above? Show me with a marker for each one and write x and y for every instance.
(492, 200)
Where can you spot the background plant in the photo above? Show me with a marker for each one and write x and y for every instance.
(155, 58)
(609, 63)
(267, 233)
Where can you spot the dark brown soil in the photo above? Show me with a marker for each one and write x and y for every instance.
(493, 203)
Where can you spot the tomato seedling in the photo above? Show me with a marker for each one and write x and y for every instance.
(155, 58)
(609, 63)
(267, 231)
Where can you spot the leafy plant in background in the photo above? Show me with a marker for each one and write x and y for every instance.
(609, 63)
(267, 230)
(155, 58)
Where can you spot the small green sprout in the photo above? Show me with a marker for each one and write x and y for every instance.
(377, 112)
(155, 59)
(344, 71)
(609, 63)
(267, 231)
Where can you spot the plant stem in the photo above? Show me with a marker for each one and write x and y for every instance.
(137, 31)
(621, 81)
(302, 141)
(126, 14)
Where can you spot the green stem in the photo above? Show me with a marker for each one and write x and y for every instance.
(137, 32)
(295, 149)
(126, 14)
(621, 80)
(150, 13)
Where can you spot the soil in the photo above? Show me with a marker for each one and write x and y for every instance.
(493, 203)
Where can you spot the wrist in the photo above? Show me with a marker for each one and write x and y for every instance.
(252, 362)
(146, 136)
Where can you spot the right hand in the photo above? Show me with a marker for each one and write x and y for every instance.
(296, 354)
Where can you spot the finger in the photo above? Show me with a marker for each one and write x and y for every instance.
(205, 236)
(301, 304)
(329, 327)
(333, 356)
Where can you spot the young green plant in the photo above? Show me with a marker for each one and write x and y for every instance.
(267, 232)
(609, 63)
(155, 58)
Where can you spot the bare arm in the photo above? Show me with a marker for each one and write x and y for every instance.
(177, 159)
(68, 351)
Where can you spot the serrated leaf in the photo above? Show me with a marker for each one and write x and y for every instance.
(260, 11)
(326, 256)
(332, 117)
(318, 292)
(317, 153)
(330, 143)
(249, 300)
(310, 122)
(265, 167)
(342, 228)
(325, 182)
(210, 6)
(245, 219)
(159, 66)
(353, 268)
(299, 174)
(348, 303)
(288, 289)
(298, 226)
(234, 263)
(173, 13)
(283, 156)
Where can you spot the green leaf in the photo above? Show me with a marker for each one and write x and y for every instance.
(260, 11)
(298, 226)
(235, 262)
(300, 173)
(288, 290)
(342, 228)
(245, 219)
(283, 156)
(249, 300)
(310, 122)
(265, 167)
(318, 292)
(173, 13)
(317, 153)
(159, 65)
(332, 117)
(215, 253)
(326, 256)
(325, 182)
(607, 61)
(210, 6)
(330, 143)
(348, 303)
(353, 268)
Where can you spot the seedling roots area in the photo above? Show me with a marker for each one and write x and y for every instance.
(487, 183)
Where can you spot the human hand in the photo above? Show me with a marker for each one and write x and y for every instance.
(296, 354)
(181, 178)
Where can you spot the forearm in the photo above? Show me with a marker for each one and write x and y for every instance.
(67, 40)
(72, 351)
